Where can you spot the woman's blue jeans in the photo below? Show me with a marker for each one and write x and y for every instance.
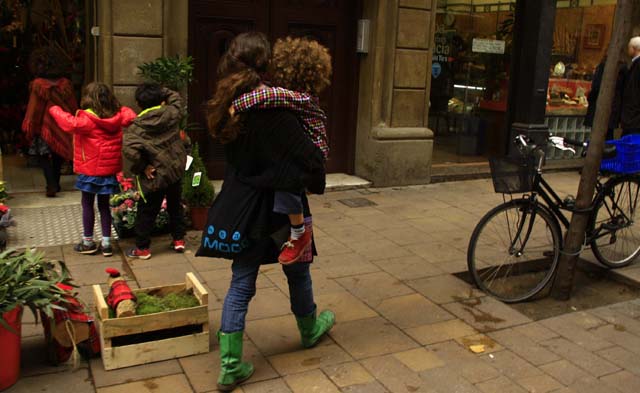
(243, 288)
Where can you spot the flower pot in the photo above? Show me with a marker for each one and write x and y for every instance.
(10, 344)
(199, 217)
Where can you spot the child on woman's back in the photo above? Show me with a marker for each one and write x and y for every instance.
(97, 137)
(302, 69)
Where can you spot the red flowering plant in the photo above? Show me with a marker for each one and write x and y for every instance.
(124, 208)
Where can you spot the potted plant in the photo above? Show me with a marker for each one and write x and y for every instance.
(26, 280)
(197, 190)
(124, 209)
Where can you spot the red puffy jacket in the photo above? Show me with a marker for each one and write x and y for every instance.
(97, 143)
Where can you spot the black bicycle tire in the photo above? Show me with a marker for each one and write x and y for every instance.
(557, 238)
(597, 206)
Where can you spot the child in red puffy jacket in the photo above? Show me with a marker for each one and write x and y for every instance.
(97, 141)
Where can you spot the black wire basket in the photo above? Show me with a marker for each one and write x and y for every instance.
(512, 175)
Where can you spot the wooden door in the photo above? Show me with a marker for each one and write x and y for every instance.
(213, 23)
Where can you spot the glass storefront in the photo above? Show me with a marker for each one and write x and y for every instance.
(471, 65)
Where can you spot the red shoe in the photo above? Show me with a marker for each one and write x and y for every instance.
(293, 249)
(137, 253)
(178, 245)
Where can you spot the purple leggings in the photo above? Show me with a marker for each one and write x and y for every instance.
(88, 214)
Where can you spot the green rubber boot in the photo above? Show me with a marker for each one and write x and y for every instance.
(232, 370)
(312, 328)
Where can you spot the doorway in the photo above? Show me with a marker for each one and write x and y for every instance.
(213, 23)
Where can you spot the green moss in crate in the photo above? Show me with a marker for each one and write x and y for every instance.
(149, 304)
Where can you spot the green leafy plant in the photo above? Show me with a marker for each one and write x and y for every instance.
(204, 193)
(27, 279)
(174, 72)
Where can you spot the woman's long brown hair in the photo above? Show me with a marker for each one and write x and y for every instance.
(99, 98)
(240, 70)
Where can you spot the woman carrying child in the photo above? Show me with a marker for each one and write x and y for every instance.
(269, 150)
(97, 140)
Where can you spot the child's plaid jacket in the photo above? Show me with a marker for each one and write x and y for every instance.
(306, 106)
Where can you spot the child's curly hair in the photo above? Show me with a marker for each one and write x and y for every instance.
(301, 64)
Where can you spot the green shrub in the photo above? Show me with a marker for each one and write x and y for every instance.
(203, 195)
(174, 73)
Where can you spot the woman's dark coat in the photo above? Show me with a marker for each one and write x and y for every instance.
(631, 99)
(272, 153)
(616, 105)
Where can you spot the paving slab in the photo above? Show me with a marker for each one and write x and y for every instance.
(271, 386)
(500, 385)
(311, 381)
(348, 374)
(168, 384)
(102, 378)
(441, 331)
(622, 358)
(588, 361)
(412, 310)
(444, 289)
(309, 359)
(394, 375)
(524, 346)
(56, 383)
(371, 337)
(486, 314)
(511, 365)
(624, 381)
(564, 371)
(373, 288)
(346, 306)
(409, 268)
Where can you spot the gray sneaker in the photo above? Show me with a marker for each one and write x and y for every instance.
(82, 248)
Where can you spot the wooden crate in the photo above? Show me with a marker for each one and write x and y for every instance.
(142, 339)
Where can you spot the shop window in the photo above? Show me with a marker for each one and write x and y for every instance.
(471, 65)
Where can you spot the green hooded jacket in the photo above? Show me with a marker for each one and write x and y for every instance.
(154, 139)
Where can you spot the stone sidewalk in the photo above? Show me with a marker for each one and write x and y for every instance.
(405, 323)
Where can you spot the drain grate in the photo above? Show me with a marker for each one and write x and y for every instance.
(357, 202)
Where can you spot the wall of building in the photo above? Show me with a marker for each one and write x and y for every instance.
(393, 144)
(134, 32)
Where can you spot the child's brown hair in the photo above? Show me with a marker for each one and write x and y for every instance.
(301, 64)
(99, 98)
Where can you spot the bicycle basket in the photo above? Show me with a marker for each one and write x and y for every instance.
(627, 159)
(512, 175)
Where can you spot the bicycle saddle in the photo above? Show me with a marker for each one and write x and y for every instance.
(609, 151)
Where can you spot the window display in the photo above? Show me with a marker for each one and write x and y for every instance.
(471, 65)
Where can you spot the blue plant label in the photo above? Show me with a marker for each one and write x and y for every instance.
(436, 69)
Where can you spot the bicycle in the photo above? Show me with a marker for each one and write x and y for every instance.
(515, 248)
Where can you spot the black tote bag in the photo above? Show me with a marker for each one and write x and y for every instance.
(235, 220)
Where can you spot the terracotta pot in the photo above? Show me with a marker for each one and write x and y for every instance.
(199, 217)
(10, 344)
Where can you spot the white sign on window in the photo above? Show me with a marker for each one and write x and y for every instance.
(488, 46)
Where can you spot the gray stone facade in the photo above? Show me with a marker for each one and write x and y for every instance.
(393, 144)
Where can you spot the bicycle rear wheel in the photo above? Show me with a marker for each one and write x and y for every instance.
(514, 250)
(616, 231)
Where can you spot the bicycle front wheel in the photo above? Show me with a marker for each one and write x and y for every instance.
(514, 250)
(615, 231)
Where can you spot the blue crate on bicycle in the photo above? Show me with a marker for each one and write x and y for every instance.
(627, 159)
